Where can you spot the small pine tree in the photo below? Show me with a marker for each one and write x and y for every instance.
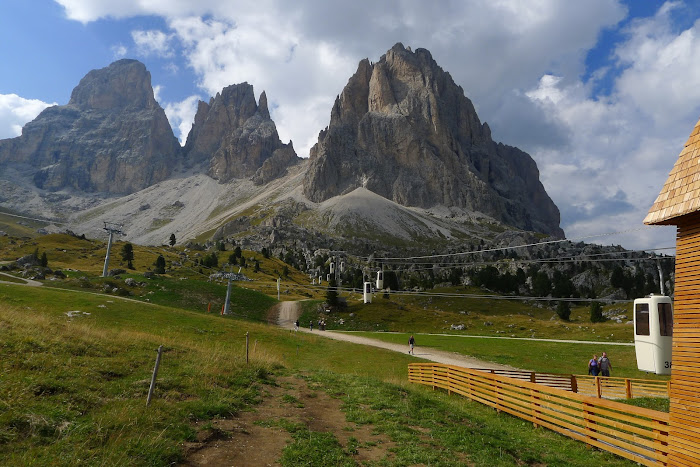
(265, 252)
(172, 239)
(160, 265)
(243, 261)
(44, 260)
(257, 266)
(237, 251)
(564, 311)
(597, 313)
(232, 259)
(127, 254)
(221, 246)
(332, 293)
(285, 271)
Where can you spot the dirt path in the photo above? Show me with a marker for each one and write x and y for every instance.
(258, 438)
(290, 311)
(13, 280)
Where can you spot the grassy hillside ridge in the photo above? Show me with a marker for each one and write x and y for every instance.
(73, 388)
(187, 285)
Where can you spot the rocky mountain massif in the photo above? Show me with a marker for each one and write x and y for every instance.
(404, 161)
(111, 137)
(114, 138)
(238, 138)
(403, 129)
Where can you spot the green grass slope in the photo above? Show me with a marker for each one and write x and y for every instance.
(73, 388)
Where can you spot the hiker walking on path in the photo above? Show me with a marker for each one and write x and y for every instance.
(593, 366)
(604, 365)
(296, 325)
(311, 325)
(411, 343)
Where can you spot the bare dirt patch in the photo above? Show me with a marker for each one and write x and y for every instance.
(257, 438)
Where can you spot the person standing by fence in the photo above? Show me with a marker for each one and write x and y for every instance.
(604, 365)
(593, 366)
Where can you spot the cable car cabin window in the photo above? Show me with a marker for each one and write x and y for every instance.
(641, 317)
(665, 319)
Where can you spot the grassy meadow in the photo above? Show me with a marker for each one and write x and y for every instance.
(73, 389)
(76, 357)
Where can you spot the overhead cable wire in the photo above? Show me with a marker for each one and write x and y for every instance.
(488, 250)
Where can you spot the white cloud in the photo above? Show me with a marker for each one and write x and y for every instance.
(152, 42)
(119, 51)
(624, 145)
(156, 91)
(15, 111)
(663, 72)
(181, 116)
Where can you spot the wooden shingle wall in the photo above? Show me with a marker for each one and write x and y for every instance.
(684, 426)
(680, 194)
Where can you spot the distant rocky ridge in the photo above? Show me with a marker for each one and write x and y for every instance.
(237, 137)
(404, 146)
(403, 129)
(112, 136)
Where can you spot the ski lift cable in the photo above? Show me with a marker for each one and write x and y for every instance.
(488, 250)
(561, 259)
(458, 295)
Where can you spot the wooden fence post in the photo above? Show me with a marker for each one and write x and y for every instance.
(574, 384)
(587, 412)
(628, 388)
(598, 391)
(449, 380)
(153, 377)
(535, 407)
(662, 429)
(497, 386)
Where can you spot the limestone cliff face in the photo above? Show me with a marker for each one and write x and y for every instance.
(403, 129)
(111, 137)
(237, 138)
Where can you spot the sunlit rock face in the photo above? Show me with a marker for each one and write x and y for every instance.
(403, 129)
(111, 137)
(237, 138)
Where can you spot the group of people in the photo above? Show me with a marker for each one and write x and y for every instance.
(599, 366)
(321, 325)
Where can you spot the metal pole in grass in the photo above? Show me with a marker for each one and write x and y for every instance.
(247, 340)
(153, 378)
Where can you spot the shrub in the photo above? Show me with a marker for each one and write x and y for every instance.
(597, 313)
(564, 311)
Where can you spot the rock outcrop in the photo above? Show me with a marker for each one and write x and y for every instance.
(237, 138)
(111, 137)
(403, 129)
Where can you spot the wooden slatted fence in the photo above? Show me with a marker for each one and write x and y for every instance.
(607, 387)
(621, 388)
(635, 433)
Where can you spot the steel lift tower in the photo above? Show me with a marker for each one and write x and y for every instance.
(112, 229)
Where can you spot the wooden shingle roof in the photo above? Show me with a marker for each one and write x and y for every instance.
(681, 192)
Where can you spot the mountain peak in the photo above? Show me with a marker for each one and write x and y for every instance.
(124, 83)
(237, 137)
(403, 129)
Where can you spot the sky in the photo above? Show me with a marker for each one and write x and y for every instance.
(602, 94)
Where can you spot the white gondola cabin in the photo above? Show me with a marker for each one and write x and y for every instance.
(380, 280)
(368, 292)
(653, 333)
